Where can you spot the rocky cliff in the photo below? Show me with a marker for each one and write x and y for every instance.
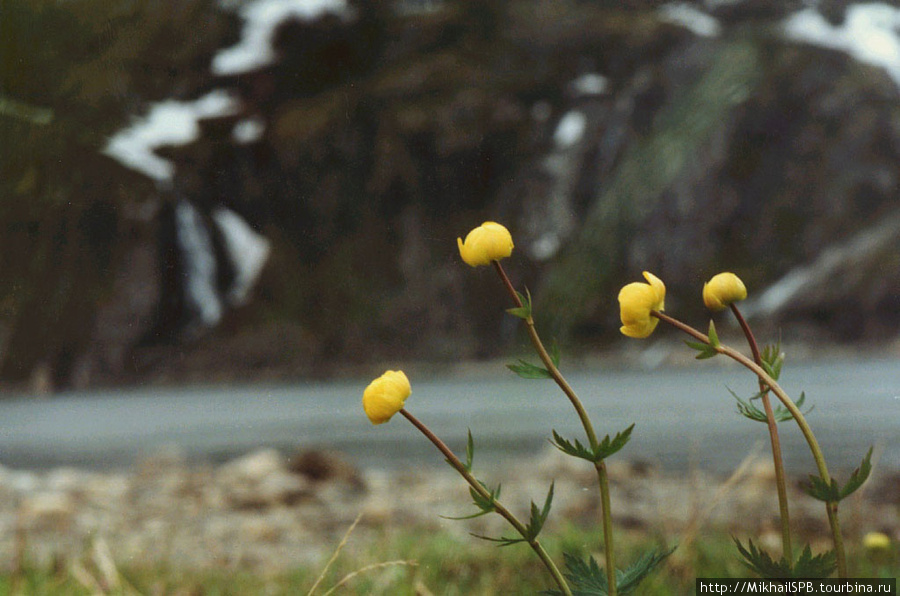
(610, 137)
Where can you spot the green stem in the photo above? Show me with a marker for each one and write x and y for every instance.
(831, 508)
(777, 458)
(602, 477)
(454, 461)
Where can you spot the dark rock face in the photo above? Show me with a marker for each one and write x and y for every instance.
(608, 138)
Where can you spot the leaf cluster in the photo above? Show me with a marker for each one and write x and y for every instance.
(831, 492)
(485, 504)
(534, 527)
(524, 311)
(806, 566)
(604, 449)
(587, 579)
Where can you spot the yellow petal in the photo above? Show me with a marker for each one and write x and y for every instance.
(722, 290)
(385, 396)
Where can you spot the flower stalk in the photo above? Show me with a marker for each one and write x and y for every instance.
(830, 507)
(454, 461)
(774, 439)
(600, 466)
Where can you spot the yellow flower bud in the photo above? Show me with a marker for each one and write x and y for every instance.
(385, 396)
(488, 242)
(636, 300)
(722, 290)
(876, 541)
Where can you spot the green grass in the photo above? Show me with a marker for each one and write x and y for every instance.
(438, 563)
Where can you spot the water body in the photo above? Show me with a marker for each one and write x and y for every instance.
(684, 417)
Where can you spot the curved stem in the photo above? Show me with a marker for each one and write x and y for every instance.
(777, 459)
(559, 379)
(831, 507)
(454, 461)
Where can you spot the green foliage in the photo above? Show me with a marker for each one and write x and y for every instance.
(524, 311)
(527, 370)
(534, 527)
(760, 562)
(587, 579)
(706, 350)
(749, 410)
(606, 447)
(831, 492)
(772, 360)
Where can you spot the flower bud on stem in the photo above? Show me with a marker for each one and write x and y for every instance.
(498, 507)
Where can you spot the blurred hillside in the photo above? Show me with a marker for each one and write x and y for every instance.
(610, 137)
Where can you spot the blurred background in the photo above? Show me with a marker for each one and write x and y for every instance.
(199, 190)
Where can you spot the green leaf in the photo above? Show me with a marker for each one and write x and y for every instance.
(706, 350)
(529, 371)
(575, 449)
(858, 477)
(524, 311)
(713, 336)
(807, 565)
(832, 492)
(818, 566)
(587, 579)
(606, 447)
(470, 451)
(628, 580)
(781, 414)
(828, 492)
(774, 358)
(555, 354)
(485, 504)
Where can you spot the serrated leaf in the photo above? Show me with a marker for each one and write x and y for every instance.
(524, 311)
(604, 449)
(585, 577)
(858, 477)
(627, 581)
(761, 563)
(823, 491)
(781, 414)
(527, 370)
(485, 504)
(806, 566)
(607, 447)
(713, 336)
(575, 448)
(818, 566)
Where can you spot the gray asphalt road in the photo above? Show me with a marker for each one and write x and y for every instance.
(683, 417)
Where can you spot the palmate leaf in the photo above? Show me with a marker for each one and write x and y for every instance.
(807, 566)
(749, 410)
(832, 492)
(606, 447)
(587, 579)
(485, 504)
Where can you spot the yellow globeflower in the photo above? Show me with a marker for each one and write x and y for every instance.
(876, 541)
(636, 300)
(488, 242)
(385, 396)
(722, 290)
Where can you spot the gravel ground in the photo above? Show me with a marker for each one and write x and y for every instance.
(268, 512)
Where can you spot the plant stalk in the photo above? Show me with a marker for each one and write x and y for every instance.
(777, 458)
(830, 508)
(602, 477)
(454, 461)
